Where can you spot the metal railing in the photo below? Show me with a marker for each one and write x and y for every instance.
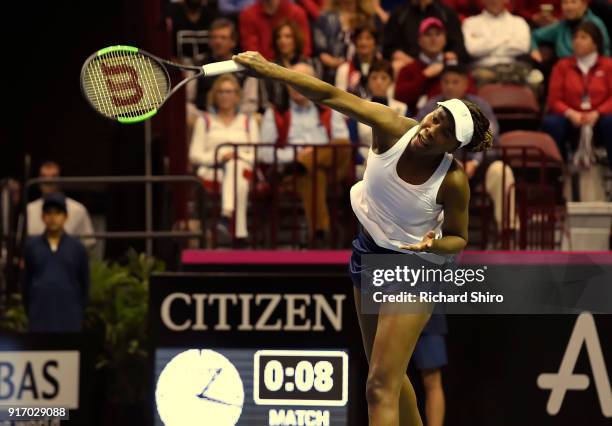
(148, 234)
(269, 189)
(337, 156)
(531, 168)
(532, 207)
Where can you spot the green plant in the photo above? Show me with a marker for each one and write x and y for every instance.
(118, 303)
(15, 318)
(117, 312)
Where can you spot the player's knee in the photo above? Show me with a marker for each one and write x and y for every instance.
(380, 388)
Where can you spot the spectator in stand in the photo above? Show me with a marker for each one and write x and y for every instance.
(288, 51)
(561, 33)
(352, 76)
(400, 40)
(221, 125)
(306, 123)
(455, 83)
(419, 79)
(258, 21)
(223, 40)
(498, 41)
(231, 8)
(580, 93)
(78, 222)
(539, 13)
(380, 81)
(382, 8)
(56, 273)
(189, 22)
(465, 8)
(332, 32)
(312, 8)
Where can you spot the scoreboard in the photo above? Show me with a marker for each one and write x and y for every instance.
(280, 345)
(254, 349)
(285, 377)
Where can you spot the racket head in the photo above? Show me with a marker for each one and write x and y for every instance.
(124, 83)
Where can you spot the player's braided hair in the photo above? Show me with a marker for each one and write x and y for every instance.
(483, 136)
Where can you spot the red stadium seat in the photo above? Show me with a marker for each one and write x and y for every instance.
(539, 149)
(538, 168)
(512, 102)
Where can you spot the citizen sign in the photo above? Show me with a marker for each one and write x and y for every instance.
(248, 311)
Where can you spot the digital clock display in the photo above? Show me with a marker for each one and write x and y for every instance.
(304, 377)
(250, 387)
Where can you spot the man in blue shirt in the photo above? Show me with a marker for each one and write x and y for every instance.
(561, 34)
(56, 283)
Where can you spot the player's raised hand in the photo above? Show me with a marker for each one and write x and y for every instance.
(256, 64)
(424, 245)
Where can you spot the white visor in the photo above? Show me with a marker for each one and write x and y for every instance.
(464, 125)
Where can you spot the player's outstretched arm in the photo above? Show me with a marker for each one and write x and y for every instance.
(386, 122)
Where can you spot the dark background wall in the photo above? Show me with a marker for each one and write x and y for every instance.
(45, 115)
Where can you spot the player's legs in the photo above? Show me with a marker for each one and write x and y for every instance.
(396, 336)
(406, 403)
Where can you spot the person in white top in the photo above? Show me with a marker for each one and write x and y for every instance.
(413, 198)
(78, 222)
(229, 165)
(497, 39)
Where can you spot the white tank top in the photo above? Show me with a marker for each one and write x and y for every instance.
(393, 211)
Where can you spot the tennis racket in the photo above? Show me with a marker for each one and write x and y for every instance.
(129, 85)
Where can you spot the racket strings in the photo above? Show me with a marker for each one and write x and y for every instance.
(146, 83)
(125, 84)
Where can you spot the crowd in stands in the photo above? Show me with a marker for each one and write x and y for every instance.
(407, 54)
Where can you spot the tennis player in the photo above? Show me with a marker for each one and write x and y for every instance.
(413, 198)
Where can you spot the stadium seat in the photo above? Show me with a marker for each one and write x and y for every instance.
(539, 148)
(514, 105)
(538, 168)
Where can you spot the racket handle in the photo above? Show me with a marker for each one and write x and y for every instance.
(222, 67)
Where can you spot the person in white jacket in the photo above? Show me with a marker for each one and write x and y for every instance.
(224, 124)
(497, 39)
(78, 222)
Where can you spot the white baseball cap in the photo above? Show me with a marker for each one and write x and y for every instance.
(464, 125)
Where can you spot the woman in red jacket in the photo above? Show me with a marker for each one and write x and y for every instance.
(580, 91)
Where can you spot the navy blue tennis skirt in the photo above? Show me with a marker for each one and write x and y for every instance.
(364, 245)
